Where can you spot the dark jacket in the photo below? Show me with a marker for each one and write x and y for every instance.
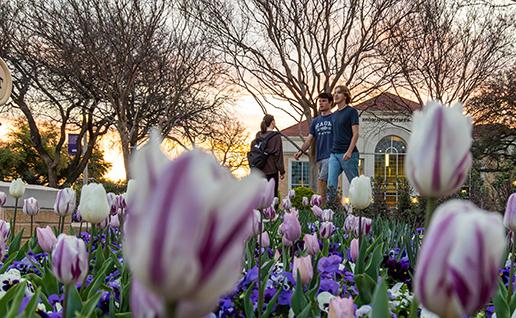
(275, 149)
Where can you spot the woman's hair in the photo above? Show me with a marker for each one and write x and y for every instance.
(266, 122)
(345, 91)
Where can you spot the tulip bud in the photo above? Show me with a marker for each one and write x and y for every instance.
(115, 222)
(94, 204)
(30, 206)
(326, 229)
(46, 238)
(311, 244)
(286, 204)
(327, 215)
(286, 242)
(509, 218)
(457, 267)
(438, 156)
(354, 250)
(316, 200)
(303, 265)
(318, 212)
(4, 230)
(305, 201)
(187, 225)
(267, 196)
(291, 194)
(350, 223)
(121, 203)
(111, 199)
(69, 259)
(3, 198)
(65, 201)
(265, 242)
(256, 223)
(269, 213)
(275, 201)
(17, 188)
(341, 308)
(366, 224)
(290, 228)
(360, 192)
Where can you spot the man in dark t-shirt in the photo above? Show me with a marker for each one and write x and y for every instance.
(344, 153)
(321, 130)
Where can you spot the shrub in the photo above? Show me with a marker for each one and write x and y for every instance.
(297, 201)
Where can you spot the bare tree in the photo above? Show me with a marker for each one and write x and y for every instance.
(447, 49)
(294, 50)
(229, 143)
(43, 95)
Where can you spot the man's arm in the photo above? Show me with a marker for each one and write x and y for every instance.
(353, 143)
(305, 146)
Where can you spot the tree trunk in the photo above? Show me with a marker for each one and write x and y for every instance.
(126, 151)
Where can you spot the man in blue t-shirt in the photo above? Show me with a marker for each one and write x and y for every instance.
(344, 153)
(321, 131)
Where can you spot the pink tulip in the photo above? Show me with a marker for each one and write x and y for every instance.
(303, 265)
(286, 242)
(46, 238)
(267, 196)
(255, 223)
(30, 206)
(3, 198)
(69, 259)
(290, 228)
(311, 244)
(187, 226)
(509, 218)
(326, 229)
(457, 266)
(265, 243)
(318, 212)
(354, 249)
(341, 308)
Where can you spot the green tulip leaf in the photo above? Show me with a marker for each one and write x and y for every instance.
(11, 294)
(366, 286)
(380, 301)
(298, 301)
(500, 301)
(74, 302)
(248, 306)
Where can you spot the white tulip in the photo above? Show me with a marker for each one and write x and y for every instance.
(94, 206)
(438, 154)
(360, 192)
(17, 188)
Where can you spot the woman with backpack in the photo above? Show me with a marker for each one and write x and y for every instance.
(267, 152)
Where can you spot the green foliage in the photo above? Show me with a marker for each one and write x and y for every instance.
(19, 158)
(297, 201)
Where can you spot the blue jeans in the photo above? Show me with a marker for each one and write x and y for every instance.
(335, 167)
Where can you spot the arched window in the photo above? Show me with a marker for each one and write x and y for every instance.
(389, 164)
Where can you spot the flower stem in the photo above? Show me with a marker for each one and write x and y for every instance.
(260, 294)
(92, 235)
(31, 225)
(170, 310)
(511, 271)
(14, 219)
(65, 302)
(430, 207)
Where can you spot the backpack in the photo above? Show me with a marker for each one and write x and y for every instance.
(258, 155)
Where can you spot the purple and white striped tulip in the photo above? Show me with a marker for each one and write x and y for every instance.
(318, 212)
(94, 204)
(65, 202)
(438, 155)
(286, 204)
(4, 230)
(350, 223)
(290, 228)
(267, 197)
(269, 213)
(115, 221)
(3, 198)
(366, 224)
(327, 215)
(121, 203)
(291, 194)
(457, 267)
(46, 238)
(509, 218)
(111, 199)
(30, 206)
(316, 200)
(69, 259)
(305, 201)
(187, 225)
(311, 244)
(326, 229)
